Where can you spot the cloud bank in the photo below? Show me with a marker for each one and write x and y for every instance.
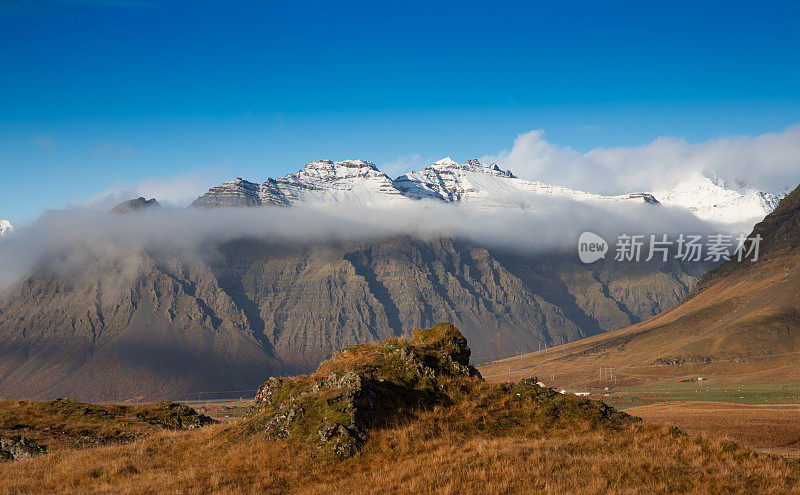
(768, 162)
(98, 235)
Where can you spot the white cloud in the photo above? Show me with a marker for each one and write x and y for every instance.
(90, 235)
(770, 162)
(404, 164)
(176, 190)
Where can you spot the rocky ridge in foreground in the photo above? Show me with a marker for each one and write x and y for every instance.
(374, 385)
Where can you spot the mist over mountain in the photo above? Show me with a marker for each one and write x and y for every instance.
(268, 279)
(766, 162)
(741, 320)
(476, 185)
(161, 302)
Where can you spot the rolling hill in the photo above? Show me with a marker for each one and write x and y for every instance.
(741, 322)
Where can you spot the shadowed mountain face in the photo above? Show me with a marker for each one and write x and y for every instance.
(742, 321)
(153, 324)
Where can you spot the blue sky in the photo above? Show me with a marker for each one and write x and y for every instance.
(98, 95)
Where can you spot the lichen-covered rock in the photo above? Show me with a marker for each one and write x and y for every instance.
(15, 448)
(361, 387)
(331, 410)
(174, 416)
(446, 338)
(368, 386)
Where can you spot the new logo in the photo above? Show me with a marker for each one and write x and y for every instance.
(591, 247)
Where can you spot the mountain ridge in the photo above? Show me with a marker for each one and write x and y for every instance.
(474, 184)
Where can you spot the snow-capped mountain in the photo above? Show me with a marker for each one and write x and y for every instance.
(715, 200)
(476, 185)
(325, 181)
(5, 227)
(479, 185)
(472, 184)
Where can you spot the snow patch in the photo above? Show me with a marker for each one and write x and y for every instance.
(710, 198)
(5, 227)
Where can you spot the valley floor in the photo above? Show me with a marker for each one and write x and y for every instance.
(761, 415)
(773, 429)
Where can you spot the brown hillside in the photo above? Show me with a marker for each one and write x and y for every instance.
(742, 321)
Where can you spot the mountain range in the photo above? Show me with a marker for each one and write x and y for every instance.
(120, 322)
(473, 184)
(5, 227)
(157, 323)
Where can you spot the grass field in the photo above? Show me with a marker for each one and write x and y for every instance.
(769, 429)
(769, 393)
(443, 450)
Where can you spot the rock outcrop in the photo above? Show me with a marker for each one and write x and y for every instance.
(173, 416)
(364, 387)
(15, 448)
(360, 388)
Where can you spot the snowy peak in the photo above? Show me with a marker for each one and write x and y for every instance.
(471, 184)
(238, 192)
(453, 182)
(328, 172)
(711, 198)
(5, 227)
(477, 185)
(325, 181)
(472, 165)
(331, 170)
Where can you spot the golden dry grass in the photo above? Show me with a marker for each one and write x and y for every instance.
(769, 429)
(450, 449)
(469, 436)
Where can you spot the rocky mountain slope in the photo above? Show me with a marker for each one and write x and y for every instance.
(476, 184)
(325, 181)
(5, 227)
(159, 323)
(742, 322)
(137, 204)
